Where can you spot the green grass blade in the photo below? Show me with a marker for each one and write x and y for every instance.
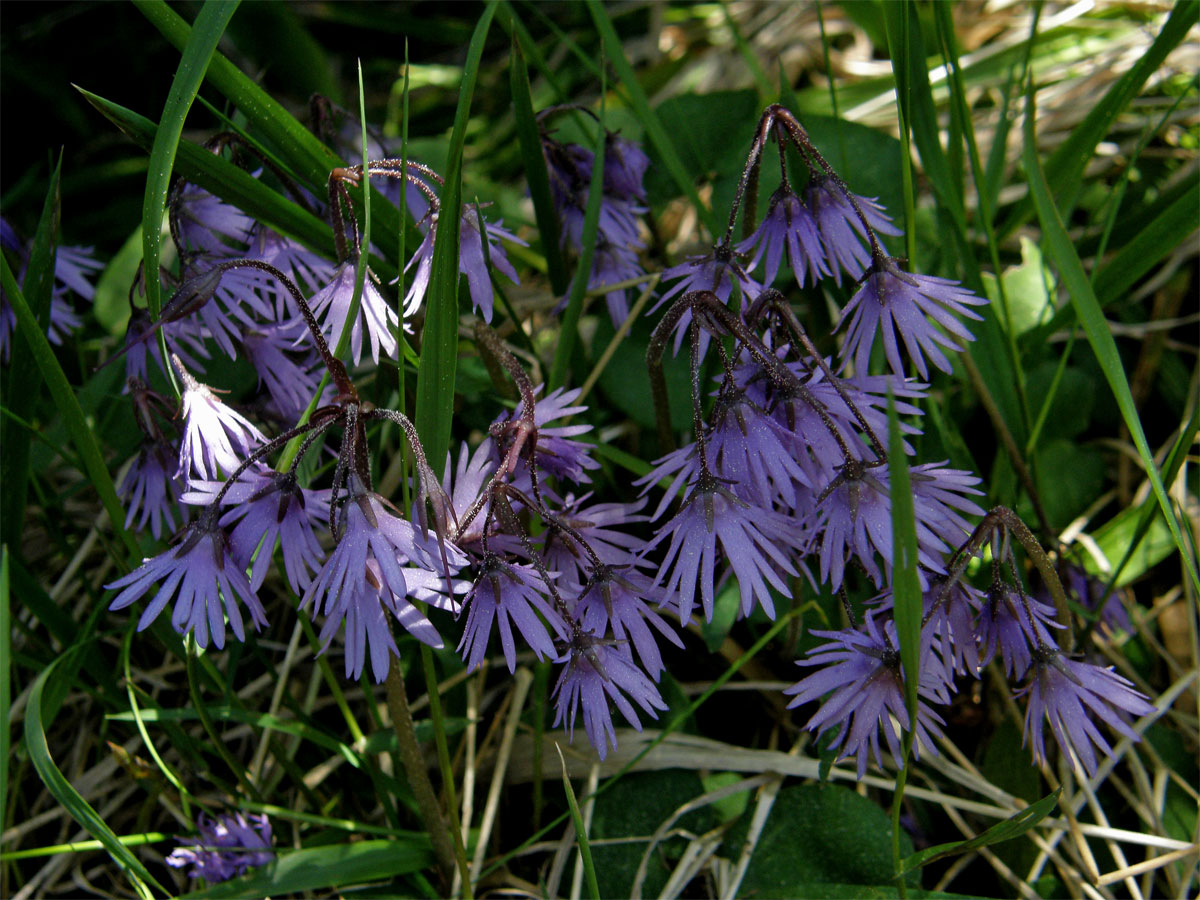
(585, 850)
(1064, 168)
(536, 175)
(201, 43)
(62, 791)
(1014, 826)
(1059, 249)
(906, 589)
(569, 332)
(129, 840)
(223, 179)
(439, 348)
(24, 377)
(615, 51)
(316, 868)
(1148, 247)
(68, 406)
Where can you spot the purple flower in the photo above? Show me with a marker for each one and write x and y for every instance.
(854, 516)
(331, 305)
(594, 673)
(862, 675)
(272, 349)
(750, 449)
(270, 506)
(788, 224)
(748, 537)
(1093, 595)
(891, 302)
(203, 578)
(716, 272)
(618, 598)
(612, 264)
(225, 847)
(209, 224)
(842, 232)
(508, 595)
(1069, 694)
(599, 525)
(364, 575)
(555, 452)
(150, 486)
(1014, 624)
(307, 269)
(214, 435)
(625, 166)
(472, 261)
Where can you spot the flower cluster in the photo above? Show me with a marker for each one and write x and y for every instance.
(787, 476)
(615, 254)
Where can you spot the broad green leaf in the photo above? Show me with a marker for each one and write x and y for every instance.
(70, 799)
(906, 589)
(1131, 550)
(1070, 477)
(201, 42)
(1087, 308)
(1014, 826)
(1029, 288)
(439, 348)
(316, 868)
(67, 405)
(818, 835)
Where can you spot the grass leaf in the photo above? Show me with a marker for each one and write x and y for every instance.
(906, 590)
(1014, 826)
(315, 868)
(201, 42)
(72, 801)
(585, 850)
(439, 349)
(1059, 248)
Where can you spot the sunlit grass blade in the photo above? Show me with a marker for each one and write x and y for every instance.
(569, 332)
(62, 790)
(536, 175)
(1149, 246)
(225, 180)
(68, 406)
(129, 840)
(23, 379)
(1059, 248)
(906, 589)
(439, 349)
(201, 42)
(313, 869)
(1014, 826)
(615, 51)
(585, 850)
(1064, 169)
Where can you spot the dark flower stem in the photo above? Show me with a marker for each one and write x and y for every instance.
(418, 779)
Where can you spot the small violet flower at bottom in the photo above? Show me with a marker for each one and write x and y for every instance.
(225, 847)
(862, 677)
(596, 671)
(205, 580)
(1069, 693)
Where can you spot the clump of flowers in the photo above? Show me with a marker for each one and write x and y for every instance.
(786, 479)
(225, 847)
